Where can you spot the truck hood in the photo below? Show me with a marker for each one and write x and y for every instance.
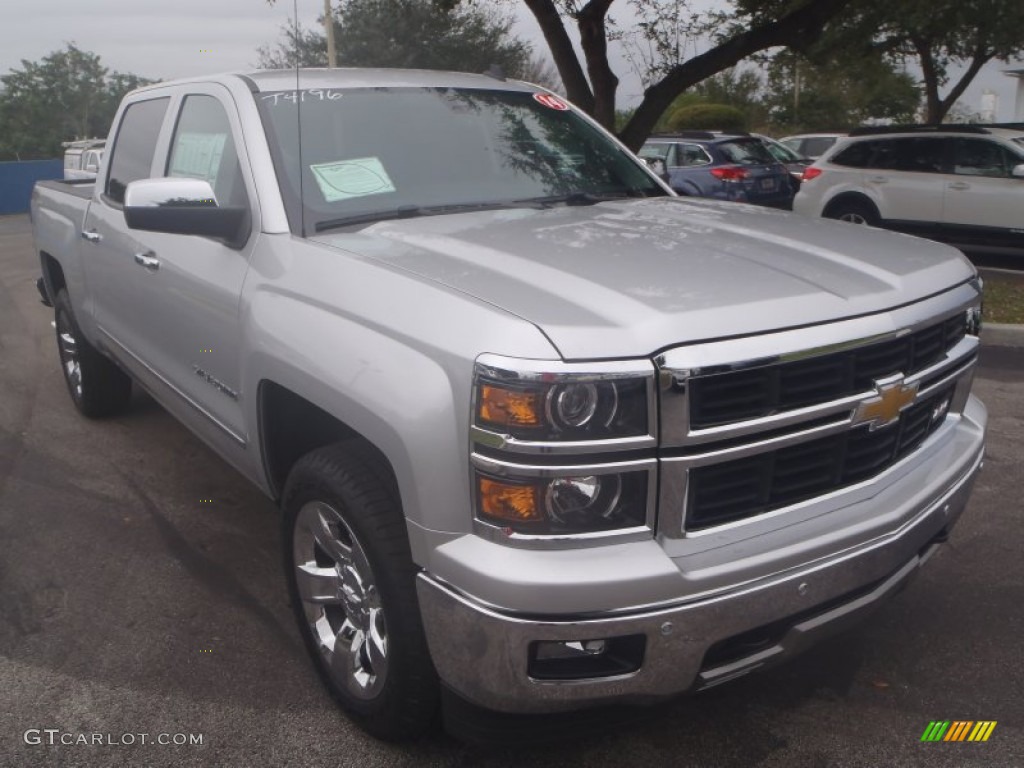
(631, 278)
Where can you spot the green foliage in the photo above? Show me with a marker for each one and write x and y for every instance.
(307, 45)
(416, 34)
(837, 90)
(67, 95)
(422, 34)
(708, 117)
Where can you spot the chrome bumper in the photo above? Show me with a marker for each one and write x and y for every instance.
(482, 654)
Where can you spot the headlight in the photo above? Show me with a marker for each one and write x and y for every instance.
(564, 505)
(569, 404)
(574, 411)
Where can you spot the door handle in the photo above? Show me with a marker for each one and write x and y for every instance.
(959, 185)
(148, 260)
(879, 179)
(91, 235)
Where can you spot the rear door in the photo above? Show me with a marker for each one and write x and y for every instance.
(906, 180)
(109, 247)
(983, 201)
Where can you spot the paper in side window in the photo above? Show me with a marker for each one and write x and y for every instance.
(197, 155)
(352, 178)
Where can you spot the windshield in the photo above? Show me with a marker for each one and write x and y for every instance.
(406, 151)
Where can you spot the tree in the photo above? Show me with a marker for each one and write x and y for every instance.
(419, 34)
(425, 34)
(942, 36)
(67, 95)
(708, 117)
(301, 47)
(751, 27)
(834, 88)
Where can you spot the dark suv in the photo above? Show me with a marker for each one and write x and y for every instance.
(726, 166)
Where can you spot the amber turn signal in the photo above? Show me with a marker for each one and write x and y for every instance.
(509, 408)
(508, 502)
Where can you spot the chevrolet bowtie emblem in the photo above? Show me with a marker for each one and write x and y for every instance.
(884, 408)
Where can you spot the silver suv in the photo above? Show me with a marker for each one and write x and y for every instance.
(958, 183)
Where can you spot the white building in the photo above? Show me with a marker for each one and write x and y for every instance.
(1018, 111)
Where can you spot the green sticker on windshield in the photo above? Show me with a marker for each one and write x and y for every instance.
(352, 178)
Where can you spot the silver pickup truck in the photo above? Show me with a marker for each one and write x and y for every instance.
(543, 433)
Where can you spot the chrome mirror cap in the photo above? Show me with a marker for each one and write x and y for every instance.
(170, 192)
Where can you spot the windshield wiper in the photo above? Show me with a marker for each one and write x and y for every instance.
(585, 198)
(412, 211)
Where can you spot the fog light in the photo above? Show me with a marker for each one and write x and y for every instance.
(570, 650)
(583, 659)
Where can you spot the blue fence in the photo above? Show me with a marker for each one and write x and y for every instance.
(17, 178)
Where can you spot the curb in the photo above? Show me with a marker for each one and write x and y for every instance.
(1002, 335)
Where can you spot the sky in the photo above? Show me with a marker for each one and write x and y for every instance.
(184, 38)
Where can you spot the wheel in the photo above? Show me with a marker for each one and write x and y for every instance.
(96, 385)
(352, 584)
(854, 212)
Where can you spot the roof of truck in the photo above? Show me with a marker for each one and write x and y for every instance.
(284, 79)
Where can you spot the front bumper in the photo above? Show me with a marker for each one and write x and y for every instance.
(483, 654)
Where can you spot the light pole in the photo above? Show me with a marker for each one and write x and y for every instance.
(332, 54)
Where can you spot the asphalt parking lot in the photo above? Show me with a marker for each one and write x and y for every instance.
(129, 605)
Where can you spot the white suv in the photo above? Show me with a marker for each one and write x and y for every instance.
(963, 184)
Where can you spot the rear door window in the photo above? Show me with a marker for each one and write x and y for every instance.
(916, 155)
(134, 146)
(857, 155)
(692, 154)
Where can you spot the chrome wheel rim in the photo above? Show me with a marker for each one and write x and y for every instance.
(340, 600)
(67, 345)
(853, 217)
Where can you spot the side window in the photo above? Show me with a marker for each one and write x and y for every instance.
(916, 155)
(203, 148)
(857, 155)
(134, 145)
(692, 154)
(978, 157)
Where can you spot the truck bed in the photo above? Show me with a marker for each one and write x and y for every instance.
(78, 187)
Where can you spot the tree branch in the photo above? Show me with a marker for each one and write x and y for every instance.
(594, 40)
(980, 59)
(576, 87)
(795, 28)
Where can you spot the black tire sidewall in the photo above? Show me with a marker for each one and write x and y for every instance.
(387, 715)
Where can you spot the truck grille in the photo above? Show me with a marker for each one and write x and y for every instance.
(744, 488)
(735, 396)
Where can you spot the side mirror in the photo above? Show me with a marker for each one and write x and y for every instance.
(182, 206)
(1018, 171)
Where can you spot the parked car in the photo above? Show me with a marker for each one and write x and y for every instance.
(544, 435)
(812, 145)
(82, 158)
(962, 184)
(723, 166)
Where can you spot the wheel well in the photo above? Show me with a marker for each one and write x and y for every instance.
(846, 198)
(290, 427)
(53, 275)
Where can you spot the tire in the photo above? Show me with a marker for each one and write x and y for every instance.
(97, 386)
(854, 212)
(351, 580)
